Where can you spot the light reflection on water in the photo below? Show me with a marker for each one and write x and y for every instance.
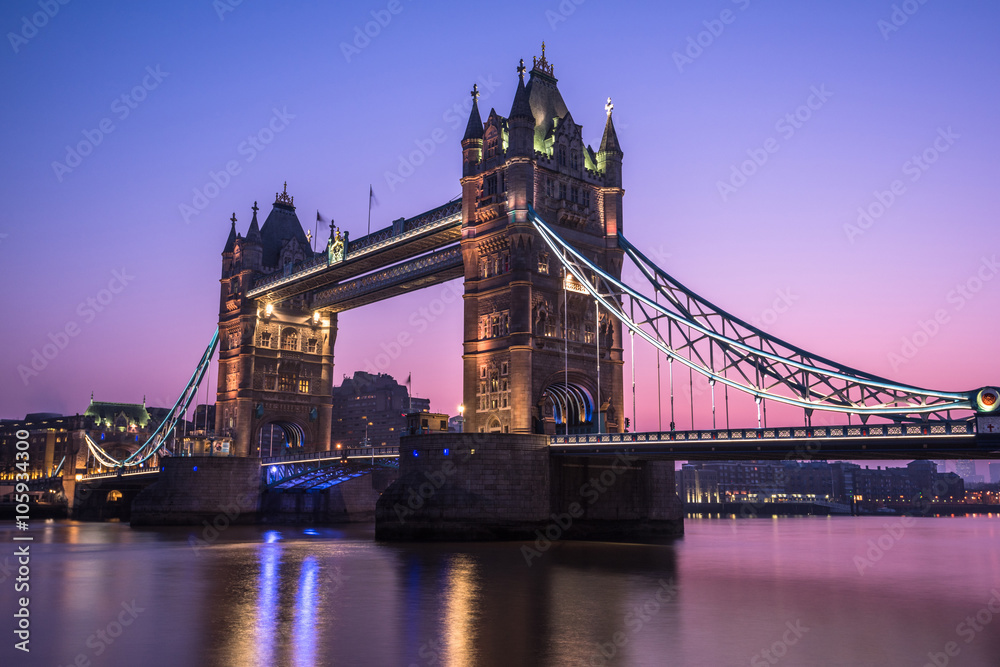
(323, 596)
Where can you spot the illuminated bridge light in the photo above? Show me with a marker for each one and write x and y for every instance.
(446, 452)
(415, 453)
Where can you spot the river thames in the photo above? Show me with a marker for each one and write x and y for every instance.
(788, 591)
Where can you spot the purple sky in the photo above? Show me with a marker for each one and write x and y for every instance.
(881, 94)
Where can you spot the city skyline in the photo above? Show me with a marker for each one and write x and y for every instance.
(781, 247)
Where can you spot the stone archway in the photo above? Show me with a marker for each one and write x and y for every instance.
(278, 437)
(570, 406)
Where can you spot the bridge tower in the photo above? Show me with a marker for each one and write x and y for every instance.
(533, 340)
(275, 376)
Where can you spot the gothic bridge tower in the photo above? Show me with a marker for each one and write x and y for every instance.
(533, 342)
(275, 374)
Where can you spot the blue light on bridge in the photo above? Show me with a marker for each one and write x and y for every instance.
(272, 536)
(415, 453)
(196, 468)
(446, 451)
(310, 531)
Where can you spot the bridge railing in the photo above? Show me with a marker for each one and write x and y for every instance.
(352, 453)
(930, 429)
(124, 473)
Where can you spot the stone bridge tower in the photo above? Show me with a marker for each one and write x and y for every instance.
(533, 341)
(275, 374)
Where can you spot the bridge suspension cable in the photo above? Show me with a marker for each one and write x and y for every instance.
(158, 439)
(726, 349)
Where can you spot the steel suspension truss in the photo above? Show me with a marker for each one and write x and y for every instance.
(158, 439)
(727, 350)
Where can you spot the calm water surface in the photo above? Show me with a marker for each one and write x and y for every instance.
(810, 591)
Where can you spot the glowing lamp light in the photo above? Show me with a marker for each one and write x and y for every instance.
(446, 451)
(316, 317)
(415, 453)
(269, 309)
(987, 400)
(79, 477)
(338, 445)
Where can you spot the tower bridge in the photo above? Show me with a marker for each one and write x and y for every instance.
(538, 237)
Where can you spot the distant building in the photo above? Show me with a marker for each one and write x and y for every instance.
(372, 406)
(697, 485)
(965, 469)
(455, 423)
(121, 417)
(418, 423)
(843, 482)
(994, 473)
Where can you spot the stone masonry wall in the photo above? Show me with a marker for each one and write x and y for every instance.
(192, 489)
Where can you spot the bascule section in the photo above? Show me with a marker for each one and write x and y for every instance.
(539, 357)
(275, 374)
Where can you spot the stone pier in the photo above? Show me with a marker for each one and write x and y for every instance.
(475, 486)
(193, 489)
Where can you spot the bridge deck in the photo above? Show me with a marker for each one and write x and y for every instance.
(410, 238)
(933, 440)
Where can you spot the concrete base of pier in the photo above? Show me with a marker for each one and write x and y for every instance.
(475, 486)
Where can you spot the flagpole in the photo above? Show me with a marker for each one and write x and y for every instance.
(370, 193)
(316, 234)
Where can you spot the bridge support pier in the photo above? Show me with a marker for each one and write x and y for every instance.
(479, 486)
(196, 489)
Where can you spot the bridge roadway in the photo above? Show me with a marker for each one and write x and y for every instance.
(930, 440)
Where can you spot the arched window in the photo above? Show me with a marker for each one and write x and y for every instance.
(289, 339)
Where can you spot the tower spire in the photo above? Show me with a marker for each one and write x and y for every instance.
(253, 234)
(609, 142)
(474, 130)
(231, 241)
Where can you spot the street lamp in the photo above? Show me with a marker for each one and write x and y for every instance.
(461, 416)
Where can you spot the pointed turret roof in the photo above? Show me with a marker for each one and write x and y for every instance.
(231, 241)
(609, 142)
(474, 130)
(520, 108)
(253, 234)
(281, 225)
(544, 98)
